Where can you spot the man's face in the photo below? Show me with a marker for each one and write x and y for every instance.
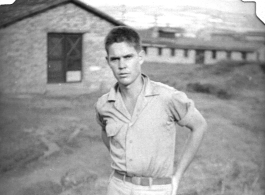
(125, 62)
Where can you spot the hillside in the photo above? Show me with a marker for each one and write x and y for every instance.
(236, 79)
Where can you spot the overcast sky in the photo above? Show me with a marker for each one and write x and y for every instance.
(236, 6)
(165, 17)
(233, 6)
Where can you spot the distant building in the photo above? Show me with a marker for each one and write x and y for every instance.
(252, 36)
(50, 46)
(185, 50)
(258, 36)
(214, 33)
(162, 32)
(226, 37)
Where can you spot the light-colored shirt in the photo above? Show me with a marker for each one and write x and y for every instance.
(144, 144)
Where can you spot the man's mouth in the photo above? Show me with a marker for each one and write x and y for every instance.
(123, 74)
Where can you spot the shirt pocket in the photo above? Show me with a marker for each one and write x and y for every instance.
(113, 128)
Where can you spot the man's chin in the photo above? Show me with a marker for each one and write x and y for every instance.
(124, 82)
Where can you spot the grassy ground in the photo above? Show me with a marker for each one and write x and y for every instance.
(51, 144)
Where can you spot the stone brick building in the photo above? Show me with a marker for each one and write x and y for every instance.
(49, 46)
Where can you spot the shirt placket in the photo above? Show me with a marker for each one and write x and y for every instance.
(129, 149)
(130, 140)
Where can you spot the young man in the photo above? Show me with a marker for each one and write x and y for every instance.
(139, 118)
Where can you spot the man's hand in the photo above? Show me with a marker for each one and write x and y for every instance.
(175, 185)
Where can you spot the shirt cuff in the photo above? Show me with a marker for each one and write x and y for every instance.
(189, 115)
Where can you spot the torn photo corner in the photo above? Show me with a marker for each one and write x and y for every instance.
(259, 4)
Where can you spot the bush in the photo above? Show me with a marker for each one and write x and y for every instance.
(226, 66)
(209, 89)
(201, 88)
(221, 93)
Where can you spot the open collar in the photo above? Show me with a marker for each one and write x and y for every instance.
(149, 89)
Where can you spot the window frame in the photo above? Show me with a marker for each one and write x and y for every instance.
(244, 55)
(214, 54)
(65, 58)
(229, 54)
(160, 52)
(172, 52)
(145, 48)
(186, 53)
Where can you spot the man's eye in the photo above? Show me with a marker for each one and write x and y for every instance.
(128, 57)
(114, 59)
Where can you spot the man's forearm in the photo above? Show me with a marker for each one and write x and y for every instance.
(190, 150)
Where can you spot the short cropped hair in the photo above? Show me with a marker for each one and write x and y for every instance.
(123, 34)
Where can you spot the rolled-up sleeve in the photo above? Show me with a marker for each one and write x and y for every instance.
(182, 108)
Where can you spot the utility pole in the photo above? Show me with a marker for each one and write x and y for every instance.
(156, 15)
(123, 12)
(156, 18)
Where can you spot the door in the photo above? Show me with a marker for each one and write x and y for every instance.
(199, 58)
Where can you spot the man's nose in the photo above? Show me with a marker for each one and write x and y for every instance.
(122, 63)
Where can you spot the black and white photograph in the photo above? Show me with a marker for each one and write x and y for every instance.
(119, 97)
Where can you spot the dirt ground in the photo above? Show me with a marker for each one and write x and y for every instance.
(51, 145)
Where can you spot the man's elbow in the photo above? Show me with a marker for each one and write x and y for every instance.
(204, 125)
(200, 126)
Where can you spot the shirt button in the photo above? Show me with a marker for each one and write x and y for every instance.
(130, 160)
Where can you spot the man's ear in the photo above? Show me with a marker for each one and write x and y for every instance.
(142, 56)
(107, 59)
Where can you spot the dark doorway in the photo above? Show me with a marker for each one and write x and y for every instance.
(199, 58)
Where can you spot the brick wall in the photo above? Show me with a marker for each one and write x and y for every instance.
(23, 51)
(252, 56)
(220, 55)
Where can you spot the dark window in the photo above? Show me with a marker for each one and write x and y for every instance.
(199, 56)
(244, 55)
(186, 53)
(145, 49)
(228, 54)
(213, 54)
(159, 51)
(173, 51)
(170, 35)
(64, 57)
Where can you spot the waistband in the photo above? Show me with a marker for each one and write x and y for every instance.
(143, 181)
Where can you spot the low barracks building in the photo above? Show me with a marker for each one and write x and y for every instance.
(166, 44)
(57, 46)
(51, 46)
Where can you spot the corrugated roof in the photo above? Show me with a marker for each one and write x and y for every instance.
(255, 33)
(193, 43)
(171, 29)
(21, 9)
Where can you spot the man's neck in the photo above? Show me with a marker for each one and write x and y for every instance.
(132, 91)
